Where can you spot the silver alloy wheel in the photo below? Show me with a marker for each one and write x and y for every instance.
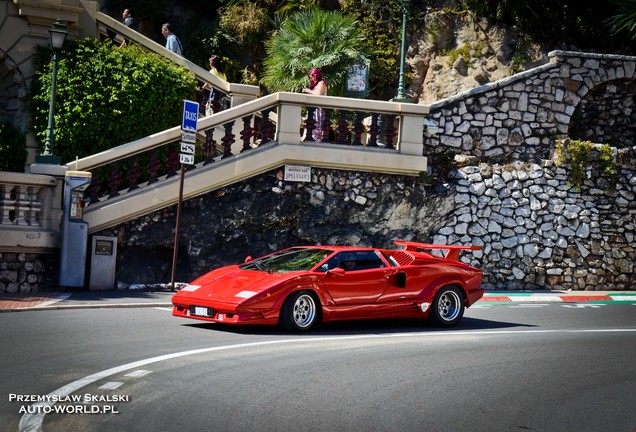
(449, 305)
(304, 311)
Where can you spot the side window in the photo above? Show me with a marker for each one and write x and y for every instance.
(359, 260)
(331, 264)
(353, 261)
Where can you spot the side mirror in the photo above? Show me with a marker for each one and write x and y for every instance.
(336, 271)
(248, 259)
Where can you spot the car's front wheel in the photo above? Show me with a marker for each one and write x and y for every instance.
(300, 312)
(448, 306)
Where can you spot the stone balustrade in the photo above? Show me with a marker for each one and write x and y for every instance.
(29, 231)
(26, 210)
(238, 143)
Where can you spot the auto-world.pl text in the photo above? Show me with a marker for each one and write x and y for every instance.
(68, 404)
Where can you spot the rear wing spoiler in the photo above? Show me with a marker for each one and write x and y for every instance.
(453, 250)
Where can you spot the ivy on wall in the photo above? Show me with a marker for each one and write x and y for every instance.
(578, 156)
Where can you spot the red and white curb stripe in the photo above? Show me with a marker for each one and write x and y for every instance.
(555, 298)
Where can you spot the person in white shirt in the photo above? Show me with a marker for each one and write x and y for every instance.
(172, 41)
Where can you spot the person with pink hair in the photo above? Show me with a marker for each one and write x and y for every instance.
(317, 86)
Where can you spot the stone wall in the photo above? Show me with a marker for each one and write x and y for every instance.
(28, 272)
(537, 230)
(265, 213)
(521, 117)
(607, 114)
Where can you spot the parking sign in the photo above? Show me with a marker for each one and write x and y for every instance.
(190, 116)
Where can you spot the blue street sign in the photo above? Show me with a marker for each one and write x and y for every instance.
(190, 116)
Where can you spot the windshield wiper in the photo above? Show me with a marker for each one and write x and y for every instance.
(260, 266)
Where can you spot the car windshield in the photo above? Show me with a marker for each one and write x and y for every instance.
(295, 259)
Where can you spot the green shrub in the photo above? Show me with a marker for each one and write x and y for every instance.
(13, 152)
(108, 96)
(577, 154)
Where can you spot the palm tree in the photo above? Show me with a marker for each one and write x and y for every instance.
(625, 19)
(313, 38)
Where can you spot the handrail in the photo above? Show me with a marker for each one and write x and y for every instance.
(169, 135)
(238, 92)
(139, 177)
(236, 113)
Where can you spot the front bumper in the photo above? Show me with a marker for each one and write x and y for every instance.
(226, 317)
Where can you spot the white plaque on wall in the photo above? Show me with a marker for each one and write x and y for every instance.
(297, 173)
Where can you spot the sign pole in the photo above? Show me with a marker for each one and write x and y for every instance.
(176, 229)
(186, 157)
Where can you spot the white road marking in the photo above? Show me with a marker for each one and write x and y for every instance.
(623, 298)
(33, 422)
(536, 298)
(138, 373)
(112, 385)
(529, 305)
(583, 306)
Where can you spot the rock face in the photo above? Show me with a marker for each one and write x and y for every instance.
(455, 53)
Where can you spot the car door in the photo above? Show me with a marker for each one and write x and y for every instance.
(364, 281)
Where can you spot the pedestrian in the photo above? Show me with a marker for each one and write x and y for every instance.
(213, 103)
(317, 86)
(129, 22)
(172, 41)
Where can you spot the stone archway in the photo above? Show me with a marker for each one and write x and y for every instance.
(13, 94)
(607, 114)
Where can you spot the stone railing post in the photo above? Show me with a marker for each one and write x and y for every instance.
(51, 216)
(288, 127)
(411, 134)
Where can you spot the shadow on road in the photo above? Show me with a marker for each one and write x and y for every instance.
(363, 327)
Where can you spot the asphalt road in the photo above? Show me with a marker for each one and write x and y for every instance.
(539, 367)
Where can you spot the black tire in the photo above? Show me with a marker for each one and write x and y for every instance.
(448, 306)
(300, 312)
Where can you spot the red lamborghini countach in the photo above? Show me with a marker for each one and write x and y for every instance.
(299, 287)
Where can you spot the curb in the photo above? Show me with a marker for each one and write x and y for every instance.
(88, 306)
(57, 302)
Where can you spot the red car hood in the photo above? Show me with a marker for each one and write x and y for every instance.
(232, 285)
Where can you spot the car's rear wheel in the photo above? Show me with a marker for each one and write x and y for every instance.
(448, 306)
(300, 312)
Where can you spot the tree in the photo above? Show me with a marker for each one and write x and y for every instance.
(108, 96)
(313, 38)
(625, 19)
(557, 23)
